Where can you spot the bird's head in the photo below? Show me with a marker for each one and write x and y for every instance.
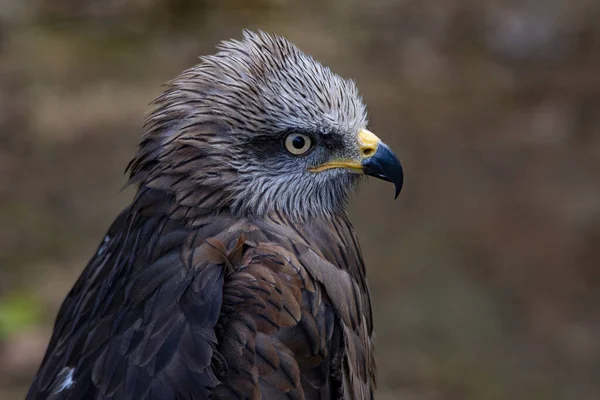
(257, 127)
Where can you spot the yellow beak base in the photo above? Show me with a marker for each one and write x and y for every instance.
(367, 144)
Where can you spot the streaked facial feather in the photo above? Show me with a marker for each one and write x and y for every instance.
(203, 132)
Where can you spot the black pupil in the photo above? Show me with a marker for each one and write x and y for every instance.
(298, 142)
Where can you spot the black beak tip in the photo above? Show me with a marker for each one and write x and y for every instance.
(398, 189)
(398, 183)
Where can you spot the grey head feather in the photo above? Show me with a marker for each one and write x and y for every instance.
(214, 137)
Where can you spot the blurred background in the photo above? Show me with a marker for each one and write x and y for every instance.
(485, 274)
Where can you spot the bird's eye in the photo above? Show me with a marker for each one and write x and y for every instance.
(297, 143)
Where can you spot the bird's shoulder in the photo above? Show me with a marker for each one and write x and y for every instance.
(296, 317)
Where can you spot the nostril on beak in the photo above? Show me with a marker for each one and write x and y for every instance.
(368, 143)
(368, 152)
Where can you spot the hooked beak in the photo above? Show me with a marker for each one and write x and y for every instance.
(385, 165)
(376, 159)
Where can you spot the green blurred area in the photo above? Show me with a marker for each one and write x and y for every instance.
(485, 274)
(18, 312)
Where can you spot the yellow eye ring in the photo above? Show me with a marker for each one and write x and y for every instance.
(297, 143)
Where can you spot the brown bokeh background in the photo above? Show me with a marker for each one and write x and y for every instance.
(485, 274)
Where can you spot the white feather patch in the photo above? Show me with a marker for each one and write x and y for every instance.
(64, 380)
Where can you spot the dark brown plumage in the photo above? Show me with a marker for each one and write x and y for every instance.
(231, 275)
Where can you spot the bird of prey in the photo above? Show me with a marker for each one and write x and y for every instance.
(234, 273)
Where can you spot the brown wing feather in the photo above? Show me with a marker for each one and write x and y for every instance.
(296, 314)
(330, 253)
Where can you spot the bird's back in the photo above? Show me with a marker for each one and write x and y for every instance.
(181, 306)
